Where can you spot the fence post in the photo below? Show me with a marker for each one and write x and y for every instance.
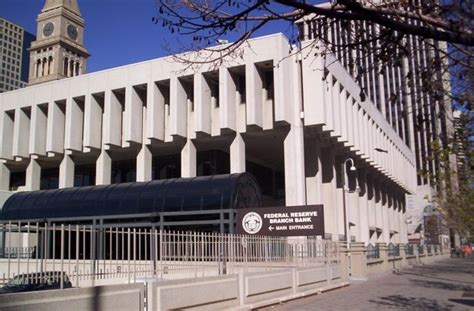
(345, 261)
(383, 252)
(358, 261)
(403, 255)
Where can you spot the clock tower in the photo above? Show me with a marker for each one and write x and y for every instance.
(58, 51)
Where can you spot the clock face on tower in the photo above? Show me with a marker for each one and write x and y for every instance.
(48, 29)
(72, 32)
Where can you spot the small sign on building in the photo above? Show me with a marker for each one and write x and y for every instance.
(305, 220)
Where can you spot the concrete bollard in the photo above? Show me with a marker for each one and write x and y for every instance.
(358, 258)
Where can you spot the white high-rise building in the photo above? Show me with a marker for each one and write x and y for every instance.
(14, 55)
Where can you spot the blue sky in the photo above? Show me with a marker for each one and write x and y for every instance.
(118, 32)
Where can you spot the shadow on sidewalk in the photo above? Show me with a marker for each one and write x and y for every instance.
(411, 303)
(450, 267)
(442, 285)
(467, 302)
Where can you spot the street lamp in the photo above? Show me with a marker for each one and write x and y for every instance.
(344, 189)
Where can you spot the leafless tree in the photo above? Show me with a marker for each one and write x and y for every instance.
(381, 31)
(429, 43)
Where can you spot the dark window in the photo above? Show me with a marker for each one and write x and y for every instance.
(49, 178)
(168, 166)
(84, 175)
(17, 179)
(212, 162)
(124, 171)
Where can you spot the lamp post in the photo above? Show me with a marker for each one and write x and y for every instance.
(344, 189)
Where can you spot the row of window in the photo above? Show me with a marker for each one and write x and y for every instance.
(12, 27)
(9, 68)
(9, 60)
(12, 53)
(6, 75)
(210, 162)
(11, 87)
(10, 47)
(11, 40)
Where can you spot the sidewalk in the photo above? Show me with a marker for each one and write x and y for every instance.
(439, 286)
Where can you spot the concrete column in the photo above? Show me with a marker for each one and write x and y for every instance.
(133, 120)
(188, 160)
(112, 130)
(103, 169)
(329, 108)
(38, 130)
(385, 219)
(350, 121)
(237, 155)
(145, 157)
(314, 86)
(313, 167)
(92, 123)
(6, 136)
(353, 211)
(33, 176)
(155, 119)
(4, 177)
(66, 172)
(228, 101)
(363, 209)
(55, 128)
(294, 167)
(328, 193)
(74, 125)
(144, 164)
(336, 103)
(254, 97)
(21, 133)
(343, 103)
(202, 104)
(178, 101)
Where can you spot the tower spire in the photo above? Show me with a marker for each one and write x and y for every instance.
(70, 5)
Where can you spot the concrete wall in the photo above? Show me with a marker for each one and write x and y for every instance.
(370, 267)
(245, 290)
(126, 297)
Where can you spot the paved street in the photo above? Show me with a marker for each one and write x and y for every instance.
(439, 286)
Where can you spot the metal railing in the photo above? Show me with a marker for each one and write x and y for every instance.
(393, 250)
(90, 253)
(421, 250)
(409, 250)
(17, 252)
(373, 251)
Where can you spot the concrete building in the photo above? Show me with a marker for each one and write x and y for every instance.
(419, 118)
(14, 55)
(306, 139)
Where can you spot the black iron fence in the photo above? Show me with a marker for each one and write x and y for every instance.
(393, 250)
(421, 250)
(373, 251)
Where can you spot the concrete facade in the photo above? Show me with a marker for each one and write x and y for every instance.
(266, 112)
(397, 89)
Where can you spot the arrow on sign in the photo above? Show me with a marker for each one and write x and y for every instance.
(271, 228)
